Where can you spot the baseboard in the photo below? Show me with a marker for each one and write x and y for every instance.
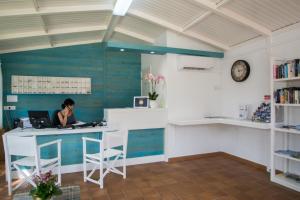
(194, 157)
(130, 161)
(222, 154)
(244, 161)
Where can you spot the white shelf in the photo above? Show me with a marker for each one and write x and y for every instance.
(285, 130)
(287, 104)
(227, 121)
(288, 182)
(286, 157)
(287, 79)
(286, 116)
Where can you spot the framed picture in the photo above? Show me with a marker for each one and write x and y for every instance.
(141, 102)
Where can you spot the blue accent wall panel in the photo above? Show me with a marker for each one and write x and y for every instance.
(115, 78)
(115, 81)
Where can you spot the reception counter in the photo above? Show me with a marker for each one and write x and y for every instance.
(146, 130)
(145, 140)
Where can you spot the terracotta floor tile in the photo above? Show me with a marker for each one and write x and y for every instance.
(217, 178)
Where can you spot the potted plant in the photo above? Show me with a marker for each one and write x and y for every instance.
(46, 187)
(154, 82)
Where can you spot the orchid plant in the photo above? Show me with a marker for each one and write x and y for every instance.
(46, 187)
(154, 82)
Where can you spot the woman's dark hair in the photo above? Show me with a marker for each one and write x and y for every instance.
(68, 102)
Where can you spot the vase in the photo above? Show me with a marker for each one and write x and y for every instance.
(153, 104)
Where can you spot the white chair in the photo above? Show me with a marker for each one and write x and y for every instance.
(113, 147)
(27, 148)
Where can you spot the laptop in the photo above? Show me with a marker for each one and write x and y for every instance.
(39, 119)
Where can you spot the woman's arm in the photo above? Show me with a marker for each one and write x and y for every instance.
(62, 118)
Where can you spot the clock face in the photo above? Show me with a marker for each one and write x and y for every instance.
(240, 70)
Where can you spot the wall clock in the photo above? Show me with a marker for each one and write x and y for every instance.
(240, 70)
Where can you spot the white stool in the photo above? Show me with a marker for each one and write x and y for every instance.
(112, 146)
(27, 148)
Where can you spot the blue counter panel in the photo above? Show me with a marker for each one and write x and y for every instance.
(147, 142)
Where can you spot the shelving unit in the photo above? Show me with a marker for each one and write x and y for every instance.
(281, 137)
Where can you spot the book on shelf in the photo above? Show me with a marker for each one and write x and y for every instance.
(287, 95)
(290, 69)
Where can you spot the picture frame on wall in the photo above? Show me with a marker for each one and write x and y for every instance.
(141, 102)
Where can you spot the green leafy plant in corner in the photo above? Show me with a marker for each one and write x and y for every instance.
(46, 187)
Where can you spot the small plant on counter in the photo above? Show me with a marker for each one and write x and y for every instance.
(46, 187)
(154, 82)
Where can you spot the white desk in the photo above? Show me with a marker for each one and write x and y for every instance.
(56, 131)
(228, 121)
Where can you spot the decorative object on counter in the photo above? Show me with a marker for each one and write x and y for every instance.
(141, 102)
(46, 187)
(263, 112)
(289, 69)
(287, 95)
(154, 82)
(243, 112)
(240, 70)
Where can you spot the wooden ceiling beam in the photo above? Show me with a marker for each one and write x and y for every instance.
(56, 10)
(234, 17)
(53, 32)
(165, 24)
(203, 16)
(135, 35)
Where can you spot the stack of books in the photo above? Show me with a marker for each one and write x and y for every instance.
(262, 113)
(287, 95)
(289, 69)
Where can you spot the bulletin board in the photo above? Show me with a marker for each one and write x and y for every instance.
(50, 85)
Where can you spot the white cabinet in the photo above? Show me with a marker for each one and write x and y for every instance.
(134, 119)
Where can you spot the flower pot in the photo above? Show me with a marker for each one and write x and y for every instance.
(153, 104)
(37, 198)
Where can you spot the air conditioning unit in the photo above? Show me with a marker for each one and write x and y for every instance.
(195, 62)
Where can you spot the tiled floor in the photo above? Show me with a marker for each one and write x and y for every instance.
(217, 178)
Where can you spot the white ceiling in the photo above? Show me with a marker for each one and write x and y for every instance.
(36, 24)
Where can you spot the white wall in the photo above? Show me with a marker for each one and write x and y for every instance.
(253, 144)
(187, 95)
(251, 91)
(247, 143)
(192, 94)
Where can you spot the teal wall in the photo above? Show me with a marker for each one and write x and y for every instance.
(115, 78)
(115, 81)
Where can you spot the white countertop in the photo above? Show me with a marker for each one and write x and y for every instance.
(220, 120)
(56, 131)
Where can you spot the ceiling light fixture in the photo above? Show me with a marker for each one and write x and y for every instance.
(121, 7)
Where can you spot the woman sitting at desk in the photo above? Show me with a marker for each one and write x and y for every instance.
(66, 116)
